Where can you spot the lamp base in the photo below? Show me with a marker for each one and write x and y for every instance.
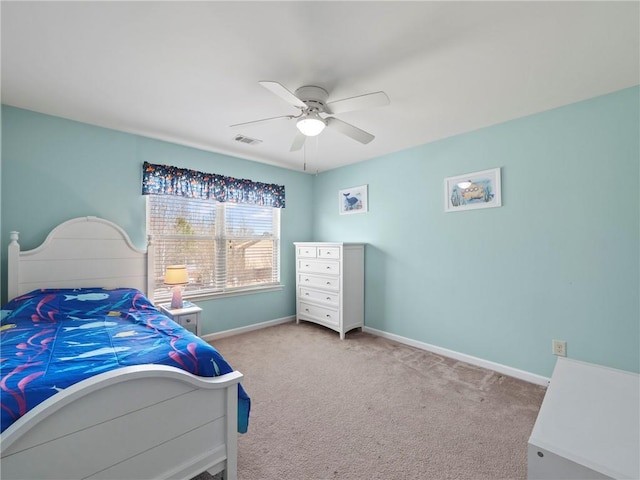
(176, 297)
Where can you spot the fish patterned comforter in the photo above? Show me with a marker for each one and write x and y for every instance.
(54, 338)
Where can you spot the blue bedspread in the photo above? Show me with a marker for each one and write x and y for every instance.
(54, 338)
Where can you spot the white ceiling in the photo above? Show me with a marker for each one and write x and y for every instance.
(185, 71)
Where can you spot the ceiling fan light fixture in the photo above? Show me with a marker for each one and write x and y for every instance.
(311, 124)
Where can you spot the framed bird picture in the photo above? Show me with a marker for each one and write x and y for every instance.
(353, 200)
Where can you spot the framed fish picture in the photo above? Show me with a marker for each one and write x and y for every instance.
(353, 200)
(473, 190)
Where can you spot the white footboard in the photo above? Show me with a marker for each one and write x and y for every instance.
(143, 422)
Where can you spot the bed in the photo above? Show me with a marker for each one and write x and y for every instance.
(138, 407)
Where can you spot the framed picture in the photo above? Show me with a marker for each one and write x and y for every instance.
(473, 190)
(353, 200)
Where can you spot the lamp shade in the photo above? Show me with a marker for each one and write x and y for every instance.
(176, 275)
(311, 124)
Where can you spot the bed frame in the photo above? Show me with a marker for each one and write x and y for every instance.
(142, 422)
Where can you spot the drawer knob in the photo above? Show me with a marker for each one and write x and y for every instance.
(306, 279)
(306, 293)
(328, 298)
(328, 283)
(306, 309)
(328, 316)
(328, 267)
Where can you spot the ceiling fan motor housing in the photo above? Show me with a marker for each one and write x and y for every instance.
(314, 97)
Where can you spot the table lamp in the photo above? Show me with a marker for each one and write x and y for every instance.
(176, 276)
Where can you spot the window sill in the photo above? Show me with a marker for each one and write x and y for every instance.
(196, 296)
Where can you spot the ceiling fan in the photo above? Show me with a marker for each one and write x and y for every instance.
(315, 112)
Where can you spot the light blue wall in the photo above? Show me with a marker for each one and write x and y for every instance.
(559, 260)
(54, 169)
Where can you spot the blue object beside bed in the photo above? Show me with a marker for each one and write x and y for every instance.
(54, 338)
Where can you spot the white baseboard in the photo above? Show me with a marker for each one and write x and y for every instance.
(496, 367)
(257, 326)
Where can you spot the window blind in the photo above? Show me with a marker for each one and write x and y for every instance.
(225, 246)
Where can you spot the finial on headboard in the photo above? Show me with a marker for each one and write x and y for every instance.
(12, 266)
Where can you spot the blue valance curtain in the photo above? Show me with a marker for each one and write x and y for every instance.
(167, 180)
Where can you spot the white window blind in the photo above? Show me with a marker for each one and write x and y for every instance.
(225, 246)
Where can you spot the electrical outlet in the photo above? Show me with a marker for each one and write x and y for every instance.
(559, 348)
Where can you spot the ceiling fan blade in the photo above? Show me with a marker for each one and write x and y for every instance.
(349, 130)
(361, 102)
(288, 117)
(283, 93)
(298, 142)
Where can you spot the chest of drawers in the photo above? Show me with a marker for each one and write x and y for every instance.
(330, 284)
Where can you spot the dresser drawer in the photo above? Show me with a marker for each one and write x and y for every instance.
(190, 322)
(318, 296)
(329, 283)
(307, 252)
(316, 266)
(325, 314)
(191, 319)
(329, 252)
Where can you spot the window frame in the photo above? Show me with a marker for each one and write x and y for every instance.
(221, 240)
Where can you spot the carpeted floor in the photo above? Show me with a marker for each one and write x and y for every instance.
(371, 408)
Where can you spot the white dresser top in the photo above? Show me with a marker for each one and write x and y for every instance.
(325, 244)
(591, 415)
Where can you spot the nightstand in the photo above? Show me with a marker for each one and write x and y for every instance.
(188, 316)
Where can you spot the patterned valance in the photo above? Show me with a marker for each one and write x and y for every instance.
(167, 180)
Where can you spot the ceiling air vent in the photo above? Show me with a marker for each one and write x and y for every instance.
(247, 140)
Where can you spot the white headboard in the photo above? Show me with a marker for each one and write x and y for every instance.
(82, 252)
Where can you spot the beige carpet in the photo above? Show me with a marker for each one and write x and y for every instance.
(371, 408)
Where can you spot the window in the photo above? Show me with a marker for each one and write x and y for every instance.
(226, 246)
